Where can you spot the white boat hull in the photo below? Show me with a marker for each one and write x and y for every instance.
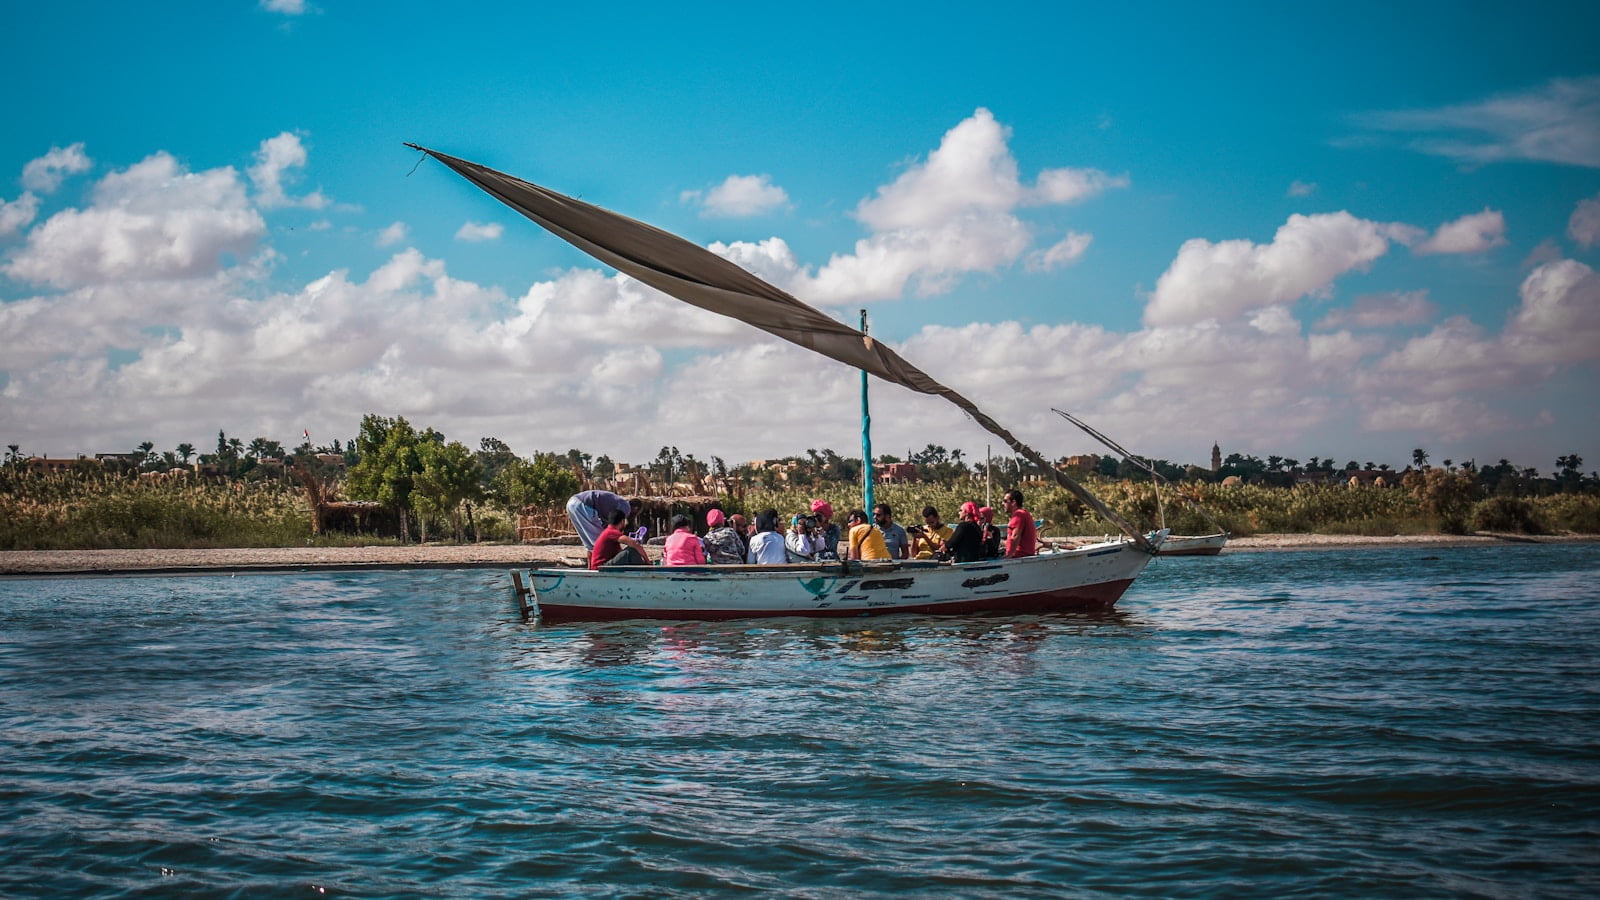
(1090, 577)
(1203, 545)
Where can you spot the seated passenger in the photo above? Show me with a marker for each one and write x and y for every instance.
(803, 541)
(927, 538)
(828, 532)
(766, 545)
(683, 545)
(965, 543)
(866, 541)
(614, 548)
(991, 534)
(894, 536)
(723, 546)
(1022, 535)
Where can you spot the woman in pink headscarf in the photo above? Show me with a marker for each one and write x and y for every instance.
(828, 533)
(965, 543)
(991, 534)
(722, 543)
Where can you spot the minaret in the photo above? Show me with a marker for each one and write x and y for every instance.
(1216, 457)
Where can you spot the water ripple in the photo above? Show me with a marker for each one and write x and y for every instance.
(1319, 723)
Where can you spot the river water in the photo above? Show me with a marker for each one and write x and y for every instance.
(1400, 722)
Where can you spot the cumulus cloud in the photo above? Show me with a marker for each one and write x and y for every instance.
(1371, 311)
(1223, 280)
(1299, 188)
(1064, 252)
(1475, 233)
(1558, 122)
(393, 234)
(46, 173)
(17, 214)
(274, 159)
(1584, 226)
(738, 196)
(154, 220)
(949, 215)
(973, 173)
(475, 232)
(1558, 319)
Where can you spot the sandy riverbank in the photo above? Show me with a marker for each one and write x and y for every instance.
(116, 562)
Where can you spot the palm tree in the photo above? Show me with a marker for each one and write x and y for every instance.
(147, 453)
(1419, 458)
(185, 450)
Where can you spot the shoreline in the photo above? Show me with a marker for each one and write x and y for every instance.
(221, 561)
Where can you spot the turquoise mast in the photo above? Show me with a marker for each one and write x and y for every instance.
(866, 435)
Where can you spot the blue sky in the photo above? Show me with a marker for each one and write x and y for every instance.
(1342, 232)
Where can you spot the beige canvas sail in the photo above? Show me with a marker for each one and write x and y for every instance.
(695, 275)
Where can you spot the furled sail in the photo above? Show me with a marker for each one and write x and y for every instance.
(699, 277)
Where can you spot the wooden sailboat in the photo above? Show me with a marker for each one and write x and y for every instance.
(1094, 576)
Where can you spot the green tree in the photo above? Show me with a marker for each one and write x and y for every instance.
(387, 470)
(147, 454)
(261, 448)
(493, 455)
(185, 450)
(1419, 458)
(542, 482)
(446, 482)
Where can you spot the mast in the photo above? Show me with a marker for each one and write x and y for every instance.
(866, 434)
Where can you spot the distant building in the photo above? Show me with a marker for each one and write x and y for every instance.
(1085, 461)
(47, 464)
(1216, 457)
(900, 472)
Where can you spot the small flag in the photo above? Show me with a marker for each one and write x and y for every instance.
(307, 433)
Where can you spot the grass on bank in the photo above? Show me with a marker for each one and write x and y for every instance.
(71, 511)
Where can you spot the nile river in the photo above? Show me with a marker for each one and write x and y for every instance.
(1396, 723)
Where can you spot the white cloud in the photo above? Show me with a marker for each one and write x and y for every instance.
(1559, 317)
(973, 172)
(1584, 226)
(154, 220)
(475, 232)
(1299, 188)
(1558, 122)
(287, 7)
(1382, 311)
(274, 158)
(1225, 279)
(1064, 252)
(1451, 418)
(393, 234)
(739, 196)
(46, 173)
(17, 214)
(1475, 233)
(1061, 186)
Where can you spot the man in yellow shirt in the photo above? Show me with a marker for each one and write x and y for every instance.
(866, 541)
(930, 536)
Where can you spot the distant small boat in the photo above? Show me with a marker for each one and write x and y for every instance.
(1185, 545)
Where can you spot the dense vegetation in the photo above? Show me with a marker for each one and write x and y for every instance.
(441, 489)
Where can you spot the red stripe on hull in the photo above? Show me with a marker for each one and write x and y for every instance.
(1087, 597)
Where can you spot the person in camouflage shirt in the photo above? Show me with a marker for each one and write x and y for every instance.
(723, 546)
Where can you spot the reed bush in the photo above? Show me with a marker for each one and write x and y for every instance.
(1579, 513)
(1506, 514)
(88, 511)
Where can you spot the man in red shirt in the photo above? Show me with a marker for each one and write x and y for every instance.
(1022, 536)
(612, 541)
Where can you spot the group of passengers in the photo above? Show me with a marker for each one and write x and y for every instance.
(599, 518)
